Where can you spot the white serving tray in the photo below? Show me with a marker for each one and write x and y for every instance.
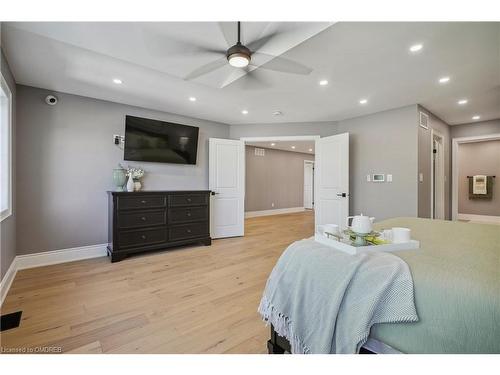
(353, 250)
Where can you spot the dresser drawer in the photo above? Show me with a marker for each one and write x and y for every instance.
(141, 201)
(138, 219)
(182, 232)
(187, 214)
(186, 200)
(144, 237)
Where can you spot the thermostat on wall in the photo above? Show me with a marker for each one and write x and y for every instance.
(378, 178)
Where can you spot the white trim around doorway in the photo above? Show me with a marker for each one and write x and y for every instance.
(454, 166)
(442, 178)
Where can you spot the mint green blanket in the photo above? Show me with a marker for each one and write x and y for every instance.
(456, 276)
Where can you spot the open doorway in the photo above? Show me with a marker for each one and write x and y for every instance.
(226, 181)
(279, 177)
(475, 171)
(437, 176)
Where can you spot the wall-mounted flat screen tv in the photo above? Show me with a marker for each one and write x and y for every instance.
(159, 141)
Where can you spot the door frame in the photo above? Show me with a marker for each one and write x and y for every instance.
(305, 163)
(454, 166)
(437, 134)
(276, 138)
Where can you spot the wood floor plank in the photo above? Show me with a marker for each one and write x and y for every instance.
(195, 299)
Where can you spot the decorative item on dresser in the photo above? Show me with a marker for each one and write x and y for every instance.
(155, 220)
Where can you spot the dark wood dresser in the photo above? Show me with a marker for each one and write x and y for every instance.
(154, 220)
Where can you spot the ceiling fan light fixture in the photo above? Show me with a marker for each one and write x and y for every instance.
(238, 55)
(238, 60)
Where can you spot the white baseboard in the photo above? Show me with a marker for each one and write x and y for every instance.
(277, 211)
(482, 218)
(60, 256)
(7, 280)
(48, 258)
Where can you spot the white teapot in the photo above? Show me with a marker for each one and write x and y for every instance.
(360, 224)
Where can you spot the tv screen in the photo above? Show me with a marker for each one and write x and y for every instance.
(159, 141)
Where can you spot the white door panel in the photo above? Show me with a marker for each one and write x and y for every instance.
(227, 183)
(332, 180)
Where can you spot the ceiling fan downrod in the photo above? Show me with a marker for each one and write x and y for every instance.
(238, 55)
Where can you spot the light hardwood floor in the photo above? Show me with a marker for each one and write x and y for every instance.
(191, 300)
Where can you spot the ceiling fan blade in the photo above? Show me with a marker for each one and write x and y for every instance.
(207, 68)
(279, 64)
(252, 80)
(230, 32)
(259, 43)
(162, 46)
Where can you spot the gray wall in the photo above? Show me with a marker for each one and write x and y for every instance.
(478, 158)
(384, 142)
(424, 164)
(476, 128)
(289, 128)
(8, 226)
(65, 159)
(277, 177)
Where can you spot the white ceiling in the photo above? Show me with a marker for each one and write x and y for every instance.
(360, 60)
(300, 146)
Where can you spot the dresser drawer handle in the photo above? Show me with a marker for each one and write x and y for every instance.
(144, 202)
(188, 230)
(188, 213)
(143, 236)
(143, 218)
(188, 199)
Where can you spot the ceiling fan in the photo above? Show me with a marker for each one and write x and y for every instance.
(247, 57)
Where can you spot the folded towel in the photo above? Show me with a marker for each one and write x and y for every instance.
(479, 184)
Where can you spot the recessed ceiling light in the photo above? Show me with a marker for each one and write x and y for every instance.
(293, 147)
(416, 47)
(444, 79)
(363, 101)
(462, 101)
(192, 99)
(273, 144)
(310, 150)
(245, 112)
(476, 117)
(118, 81)
(323, 82)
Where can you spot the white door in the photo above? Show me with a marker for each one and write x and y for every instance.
(331, 198)
(308, 184)
(227, 182)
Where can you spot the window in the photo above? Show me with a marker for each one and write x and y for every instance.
(5, 150)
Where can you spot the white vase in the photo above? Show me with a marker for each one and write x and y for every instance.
(130, 184)
(137, 185)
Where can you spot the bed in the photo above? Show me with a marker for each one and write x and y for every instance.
(456, 276)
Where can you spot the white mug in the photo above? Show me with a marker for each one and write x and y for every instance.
(401, 235)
